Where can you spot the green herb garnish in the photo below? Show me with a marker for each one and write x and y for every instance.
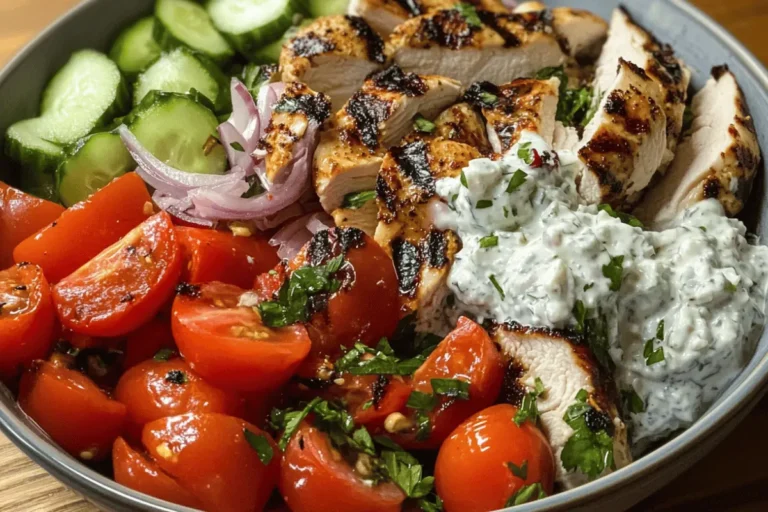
(730, 287)
(519, 471)
(488, 98)
(423, 125)
(237, 147)
(357, 200)
(524, 153)
(623, 217)
(484, 203)
(356, 361)
(496, 285)
(164, 354)
(526, 494)
(452, 388)
(489, 241)
(261, 444)
(517, 180)
(421, 401)
(613, 271)
(469, 13)
(589, 452)
(632, 402)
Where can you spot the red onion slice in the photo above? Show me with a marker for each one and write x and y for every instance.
(295, 235)
(179, 208)
(243, 127)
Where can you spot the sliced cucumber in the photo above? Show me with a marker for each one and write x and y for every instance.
(317, 8)
(270, 53)
(251, 24)
(181, 70)
(177, 130)
(88, 92)
(185, 23)
(91, 164)
(37, 157)
(136, 48)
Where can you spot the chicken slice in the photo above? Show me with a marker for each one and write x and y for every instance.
(362, 217)
(565, 138)
(624, 142)
(493, 47)
(565, 366)
(422, 254)
(523, 104)
(717, 160)
(291, 117)
(634, 44)
(385, 15)
(334, 55)
(351, 150)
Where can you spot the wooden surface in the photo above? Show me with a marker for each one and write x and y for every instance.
(733, 477)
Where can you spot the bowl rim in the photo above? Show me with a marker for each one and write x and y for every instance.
(717, 420)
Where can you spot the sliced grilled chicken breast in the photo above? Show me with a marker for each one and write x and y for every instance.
(529, 7)
(565, 138)
(298, 106)
(624, 142)
(333, 55)
(422, 254)
(362, 218)
(510, 109)
(462, 123)
(494, 47)
(385, 15)
(565, 366)
(717, 160)
(629, 41)
(377, 116)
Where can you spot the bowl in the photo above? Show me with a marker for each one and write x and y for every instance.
(695, 37)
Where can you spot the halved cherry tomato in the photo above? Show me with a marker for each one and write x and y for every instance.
(27, 318)
(371, 398)
(315, 478)
(211, 255)
(124, 286)
(146, 341)
(87, 228)
(209, 455)
(135, 470)
(474, 469)
(21, 215)
(229, 346)
(156, 389)
(466, 354)
(78, 415)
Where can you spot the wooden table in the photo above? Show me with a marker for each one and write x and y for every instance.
(733, 477)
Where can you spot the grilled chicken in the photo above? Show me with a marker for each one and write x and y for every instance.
(334, 55)
(350, 152)
(422, 254)
(634, 44)
(717, 160)
(362, 218)
(624, 142)
(524, 104)
(565, 138)
(565, 366)
(385, 15)
(297, 109)
(493, 47)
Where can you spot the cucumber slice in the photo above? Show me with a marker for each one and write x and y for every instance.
(37, 157)
(270, 54)
(317, 8)
(251, 24)
(177, 129)
(136, 48)
(185, 23)
(91, 164)
(88, 92)
(181, 71)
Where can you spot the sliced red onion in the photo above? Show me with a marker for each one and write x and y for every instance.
(295, 235)
(295, 210)
(268, 96)
(509, 4)
(179, 208)
(243, 128)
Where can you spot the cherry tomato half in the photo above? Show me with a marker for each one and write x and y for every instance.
(27, 318)
(371, 398)
(146, 341)
(211, 457)
(156, 389)
(87, 228)
(229, 346)
(78, 415)
(497, 459)
(135, 470)
(124, 286)
(315, 478)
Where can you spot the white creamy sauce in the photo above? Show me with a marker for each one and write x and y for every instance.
(701, 278)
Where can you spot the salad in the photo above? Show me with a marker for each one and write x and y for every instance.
(376, 255)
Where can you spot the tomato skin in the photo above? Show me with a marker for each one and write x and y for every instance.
(125, 285)
(229, 346)
(210, 457)
(313, 480)
(136, 471)
(211, 255)
(150, 394)
(87, 228)
(145, 342)
(484, 444)
(78, 415)
(21, 215)
(468, 354)
(27, 318)
(359, 390)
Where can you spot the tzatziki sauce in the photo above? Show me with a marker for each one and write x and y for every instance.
(682, 307)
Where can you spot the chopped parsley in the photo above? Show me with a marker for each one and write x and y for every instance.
(255, 187)
(421, 401)
(526, 494)
(357, 361)
(517, 180)
(406, 472)
(525, 153)
(451, 388)
(496, 285)
(613, 271)
(431, 503)
(164, 354)
(483, 203)
(623, 217)
(520, 471)
(730, 287)
(575, 107)
(594, 329)
(463, 179)
(423, 125)
(237, 147)
(357, 200)
(489, 241)
(687, 118)
(660, 331)
(261, 444)
(469, 13)
(654, 356)
(588, 287)
(488, 98)
(632, 402)
(580, 313)
(176, 377)
(528, 409)
(590, 451)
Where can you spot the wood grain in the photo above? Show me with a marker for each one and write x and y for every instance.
(734, 477)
